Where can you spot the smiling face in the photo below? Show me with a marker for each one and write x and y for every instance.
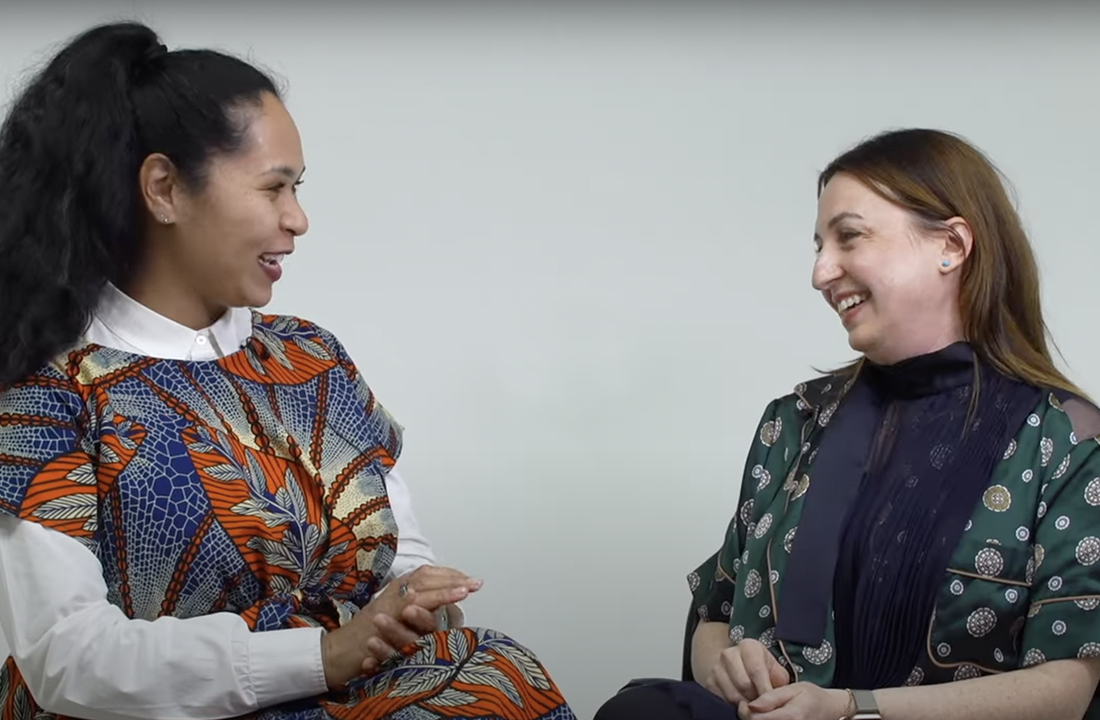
(884, 276)
(220, 245)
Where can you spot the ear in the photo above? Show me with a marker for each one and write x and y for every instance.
(958, 242)
(160, 186)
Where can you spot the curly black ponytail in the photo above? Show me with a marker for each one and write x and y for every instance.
(70, 151)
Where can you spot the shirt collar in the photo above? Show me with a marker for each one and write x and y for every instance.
(155, 335)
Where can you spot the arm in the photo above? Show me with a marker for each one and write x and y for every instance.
(707, 644)
(81, 656)
(714, 583)
(1058, 690)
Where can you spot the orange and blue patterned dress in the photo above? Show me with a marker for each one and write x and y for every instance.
(251, 484)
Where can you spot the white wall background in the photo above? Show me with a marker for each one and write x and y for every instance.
(571, 250)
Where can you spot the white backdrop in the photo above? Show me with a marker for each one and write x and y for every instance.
(571, 251)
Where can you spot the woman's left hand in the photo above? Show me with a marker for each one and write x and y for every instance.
(801, 701)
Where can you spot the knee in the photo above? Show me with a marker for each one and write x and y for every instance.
(640, 703)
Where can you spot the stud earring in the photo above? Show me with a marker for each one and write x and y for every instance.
(164, 219)
(946, 263)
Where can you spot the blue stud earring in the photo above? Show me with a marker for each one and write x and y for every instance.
(946, 263)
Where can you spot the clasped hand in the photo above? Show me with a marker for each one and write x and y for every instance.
(749, 677)
(402, 613)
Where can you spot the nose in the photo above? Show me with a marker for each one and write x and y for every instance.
(295, 220)
(826, 271)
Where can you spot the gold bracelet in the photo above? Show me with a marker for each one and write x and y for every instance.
(851, 709)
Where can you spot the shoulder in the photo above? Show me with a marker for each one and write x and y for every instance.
(810, 397)
(1081, 413)
(299, 331)
(1064, 414)
(785, 417)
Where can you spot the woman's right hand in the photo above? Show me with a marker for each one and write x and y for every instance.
(392, 620)
(745, 672)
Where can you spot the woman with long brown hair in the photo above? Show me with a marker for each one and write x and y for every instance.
(917, 532)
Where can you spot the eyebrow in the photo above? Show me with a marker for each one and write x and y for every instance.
(287, 172)
(837, 219)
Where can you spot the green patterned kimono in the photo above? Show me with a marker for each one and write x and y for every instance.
(1022, 587)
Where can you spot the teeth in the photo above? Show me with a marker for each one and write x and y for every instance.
(272, 259)
(850, 302)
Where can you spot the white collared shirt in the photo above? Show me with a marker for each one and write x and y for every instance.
(82, 657)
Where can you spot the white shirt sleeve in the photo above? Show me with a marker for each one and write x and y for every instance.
(82, 657)
(413, 548)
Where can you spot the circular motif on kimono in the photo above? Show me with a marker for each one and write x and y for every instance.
(1055, 583)
(752, 584)
(1022, 533)
(803, 486)
(998, 655)
(727, 608)
(967, 672)
(694, 581)
(997, 498)
(1087, 604)
(1046, 450)
(1092, 492)
(1058, 628)
(969, 524)
(765, 479)
(1012, 595)
(1062, 467)
(1073, 438)
(765, 611)
(773, 576)
(1040, 554)
(763, 526)
(943, 649)
(1089, 650)
(757, 470)
(989, 562)
(788, 540)
(957, 587)
(1033, 610)
(770, 432)
(767, 638)
(703, 614)
(1034, 656)
(915, 678)
(819, 655)
(736, 565)
(981, 622)
(1042, 510)
(1061, 523)
(746, 512)
(1027, 475)
(745, 556)
(827, 415)
(1088, 551)
(737, 633)
(1011, 449)
(1029, 571)
(1033, 420)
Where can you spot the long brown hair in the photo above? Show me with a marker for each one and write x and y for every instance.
(937, 176)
